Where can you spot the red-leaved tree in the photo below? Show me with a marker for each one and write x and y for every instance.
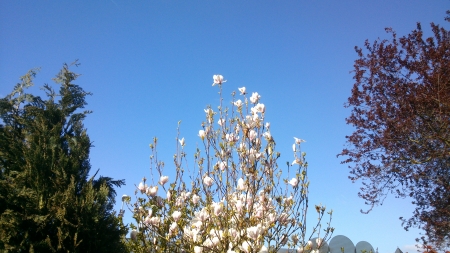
(401, 113)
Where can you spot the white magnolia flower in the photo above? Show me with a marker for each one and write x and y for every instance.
(218, 79)
(255, 97)
(221, 122)
(154, 221)
(298, 141)
(198, 249)
(172, 227)
(294, 147)
(231, 137)
(246, 247)
(222, 165)
(218, 207)
(176, 215)
(294, 182)
(267, 124)
(182, 142)
(241, 185)
(242, 90)
(319, 242)
(263, 249)
(195, 199)
(260, 108)
(151, 191)
(238, 103)
(168, 194)
(252, 134)
(208, 181)
(142, 187)
(208, 111)
(254, 232)
(202, 134)
(296, 161)
(163, 180)
(267, 135)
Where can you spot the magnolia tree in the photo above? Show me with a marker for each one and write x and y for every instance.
(235, 198)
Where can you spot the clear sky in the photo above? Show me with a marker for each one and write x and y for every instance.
(150, 63)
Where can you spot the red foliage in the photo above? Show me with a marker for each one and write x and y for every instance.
(401, 113)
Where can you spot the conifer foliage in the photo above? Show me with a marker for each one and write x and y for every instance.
(49, 202)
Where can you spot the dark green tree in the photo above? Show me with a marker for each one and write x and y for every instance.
(48, 200)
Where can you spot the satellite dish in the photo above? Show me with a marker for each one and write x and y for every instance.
(341, 243)
(324, 245)
(364, 247)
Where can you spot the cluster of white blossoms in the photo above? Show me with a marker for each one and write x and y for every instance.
(236, 198)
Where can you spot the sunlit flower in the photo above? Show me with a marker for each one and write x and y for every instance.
(142, 187)
(293, 182)
(195, 199)
(260, 108)
(231, 137)
(173, 227)
(242, 90)
(198, 249)
(246, 247)
(202, 134)
(168, 194)
(208, 111)
(163, 180)
(176, 215)
(218, 207)
(218, 79)
(294, 147)
(182, 142)
(263, 249)
(155, 221)
(151, 191)
(238, 103)
(241, 185)
(208, 181)
(296, 161)
(298, 141)
(267, 124)
(255, 98)
(319, 242)
(221, 122)
(222, 165)
(267, 136)
(252, 135)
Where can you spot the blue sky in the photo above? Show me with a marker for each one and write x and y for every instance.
(150, 63)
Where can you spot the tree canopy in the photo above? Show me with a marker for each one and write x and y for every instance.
(401, 113)
(49, 202)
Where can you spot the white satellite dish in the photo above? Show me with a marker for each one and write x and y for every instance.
(341, 244)
(364, 247)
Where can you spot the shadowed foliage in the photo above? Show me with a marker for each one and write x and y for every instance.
(48, 202)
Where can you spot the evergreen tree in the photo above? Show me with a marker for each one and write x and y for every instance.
(48, 201)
